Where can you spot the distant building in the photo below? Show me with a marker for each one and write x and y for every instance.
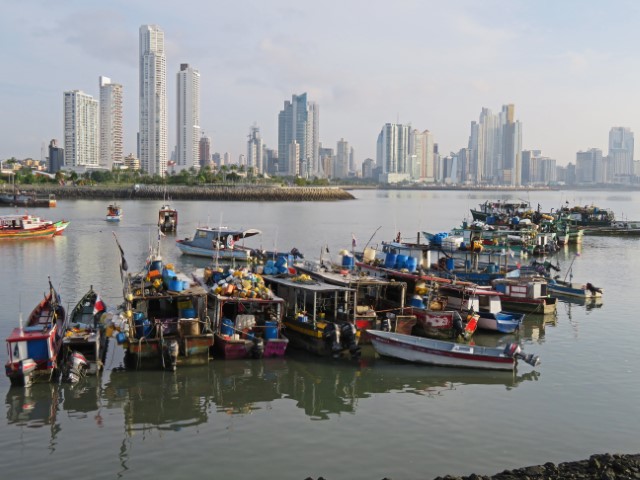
(589, 167)
(152, 135)
(131, 162)
(367, 168)
(255, 151)
(341, 164)
(299, 122)
(80, 130)
(204, 150)
(188, 118)
(393, 152)
(111, 136)
(56, 157)
(620, 154)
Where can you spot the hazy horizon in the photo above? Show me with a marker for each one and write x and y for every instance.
(568, 67)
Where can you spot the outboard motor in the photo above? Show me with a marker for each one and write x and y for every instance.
(593, 289)
(331, 335)
(257, 350)
(514, 350)
(172, 350)
(75, 368)
(385, 324)
(348, 339)
(458, 327)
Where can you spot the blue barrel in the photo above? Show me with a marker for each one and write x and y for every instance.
(143, 328)
(175, 285)
(270, 330)
(281, 261)
(401, 261)
(390, 260)
(412, 264)
(416, 302)
(188, 313)
(467, 264)
(450, 264)
(227, 327)
(156, 265)
(492, 268)
(347, 261)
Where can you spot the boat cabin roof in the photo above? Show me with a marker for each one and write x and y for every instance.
(315, 286)
(223, 232)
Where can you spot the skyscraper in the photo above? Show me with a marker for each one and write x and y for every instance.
(56, 157)
(205, 150)
(111, 145)
(341, 164)
(299, 122)
(80, 129)
(393, 152)
(153, 101)
(188, 118)
(255, 151)
(620, 152)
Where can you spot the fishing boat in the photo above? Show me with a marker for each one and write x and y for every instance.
(319, 317)
(218, 243)
(567, 287)
(380, 302)
(114, 212)
(437, 352)
(164, 322)
(167, 218)
(586, 216)
(34, 348)
(245, 314)
(500, 211)
(29, 226)
(86, 334)
(527, 293)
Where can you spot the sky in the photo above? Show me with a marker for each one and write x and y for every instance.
(570, 67)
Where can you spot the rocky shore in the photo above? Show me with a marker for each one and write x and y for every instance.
(601, 467)
(597, 467)
(181, 192)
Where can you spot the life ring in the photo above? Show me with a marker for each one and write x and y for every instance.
(230, 241)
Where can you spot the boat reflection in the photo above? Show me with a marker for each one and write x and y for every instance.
(35, 406)
(160, 400)
(83, 398)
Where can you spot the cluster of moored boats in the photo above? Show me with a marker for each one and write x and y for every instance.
(419, 301)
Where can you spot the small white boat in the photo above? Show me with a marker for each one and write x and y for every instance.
(449, 354)
(114, 212)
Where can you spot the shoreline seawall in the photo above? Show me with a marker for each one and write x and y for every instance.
(181, 192)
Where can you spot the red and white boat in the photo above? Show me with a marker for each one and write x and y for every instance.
(29, 226)
(34, 349)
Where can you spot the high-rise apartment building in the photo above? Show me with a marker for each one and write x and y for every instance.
(589, 167)
(393, 152)
(111, 144)
(299, 122)
(80, 129)
(255, 151)
(341, 164)
(620, 152)
(188, 118)
(152, 135)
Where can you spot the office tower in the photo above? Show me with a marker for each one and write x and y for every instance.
(188, 118)
(111, 144)
(80, 129)
(620, 152)
(421, 145)
(205, 150)
(56, 157)
(589, 167)
(341, 164)
(299, 122)
(152, 133)
(393, 152)
(255, 151)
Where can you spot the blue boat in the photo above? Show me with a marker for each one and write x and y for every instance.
(218, 243)
(114, 212)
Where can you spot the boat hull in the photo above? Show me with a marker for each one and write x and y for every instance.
(500, 322)
(542, 306)
(151, 353)
(436, 352)
(223, 254)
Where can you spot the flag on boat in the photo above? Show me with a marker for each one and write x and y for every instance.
(353, 241)
(123, 263)
(99, 306)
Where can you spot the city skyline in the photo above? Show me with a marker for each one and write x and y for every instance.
(567, 68)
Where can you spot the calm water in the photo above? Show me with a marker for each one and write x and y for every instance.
(302, 416)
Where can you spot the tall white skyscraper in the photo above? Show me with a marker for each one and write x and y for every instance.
(341, 164)
(393, 149)
(80, 129)
(152, 135)
(111, 145)
(255, 150)
(188, 118)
